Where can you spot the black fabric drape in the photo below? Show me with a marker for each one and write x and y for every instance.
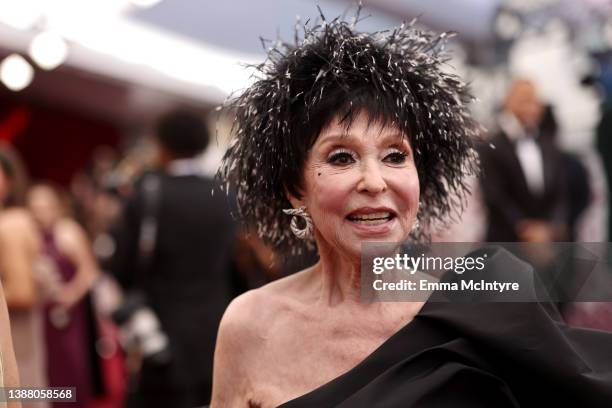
(479, 354)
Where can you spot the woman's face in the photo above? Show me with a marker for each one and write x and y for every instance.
(44, 206)
(360, 185)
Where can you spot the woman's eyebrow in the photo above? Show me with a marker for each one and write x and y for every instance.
(335, 138)
(382, 139)
(397, 137)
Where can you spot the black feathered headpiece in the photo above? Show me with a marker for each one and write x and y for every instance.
(395, 76)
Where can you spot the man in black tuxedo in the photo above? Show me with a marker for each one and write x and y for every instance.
(523, 183)
(179, 222)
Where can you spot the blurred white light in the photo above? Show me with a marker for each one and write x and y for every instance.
(508, 25)
(16, 73)
(144, 3)
(48, 50)
(607, 33)
(557, 30)
(21, 14)
(529, 6)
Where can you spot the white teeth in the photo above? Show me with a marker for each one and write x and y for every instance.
(377, 221)
(373, 216)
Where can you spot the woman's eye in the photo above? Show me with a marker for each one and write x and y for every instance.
(395, 157)
(341, 158)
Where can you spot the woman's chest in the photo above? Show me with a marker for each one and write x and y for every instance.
(299, 361)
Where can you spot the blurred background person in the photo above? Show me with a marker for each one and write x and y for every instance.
(577, 180)
(95, 205)
(174, 245)
(9, 374)
(523, 183)
(94, 194)
(72, 268)
(19, 253)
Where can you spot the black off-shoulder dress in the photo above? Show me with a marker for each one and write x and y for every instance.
(479, 354)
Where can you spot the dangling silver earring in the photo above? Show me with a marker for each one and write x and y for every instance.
(306, 231)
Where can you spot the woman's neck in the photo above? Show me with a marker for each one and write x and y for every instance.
(340, 277)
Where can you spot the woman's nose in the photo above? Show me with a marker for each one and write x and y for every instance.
(372, 180)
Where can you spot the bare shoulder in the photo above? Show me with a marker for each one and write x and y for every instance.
(69, 233)
(256, 310)
(18, 226)
(241, 335)
(69, 229)
(239, 324)
(249, 325)
(251, 316)
(16, 219)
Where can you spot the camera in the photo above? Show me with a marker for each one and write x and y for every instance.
(141, 330)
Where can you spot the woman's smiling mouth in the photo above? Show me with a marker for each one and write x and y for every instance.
(372, 219)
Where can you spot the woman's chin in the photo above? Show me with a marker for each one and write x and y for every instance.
(356, 236)
(356, 250)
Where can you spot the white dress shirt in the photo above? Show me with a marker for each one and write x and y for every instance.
(527, 150)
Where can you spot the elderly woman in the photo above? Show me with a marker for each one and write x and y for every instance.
(346, 138)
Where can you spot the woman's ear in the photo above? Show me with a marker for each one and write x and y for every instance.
(295, 202)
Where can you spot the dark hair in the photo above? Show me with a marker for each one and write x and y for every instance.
(12, 167)
(7, 167)
(183, 133)
(394, 77)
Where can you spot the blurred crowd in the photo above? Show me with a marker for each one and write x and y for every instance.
(116, 282)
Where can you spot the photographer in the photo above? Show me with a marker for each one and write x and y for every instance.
(173, 251)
